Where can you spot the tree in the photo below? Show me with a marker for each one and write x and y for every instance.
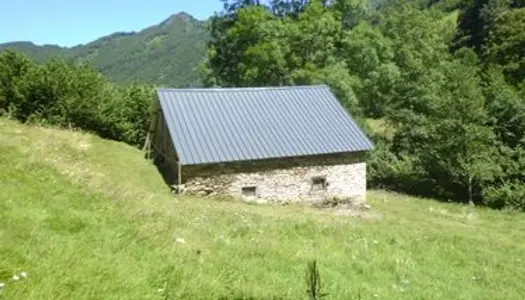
(477, 20)
(15, 68)
(233, 34)
(67, 94)
(506, 44)
(129, 113)
(369, 57)
(461, 162)
(506, 108)
(288, 8)
(419, 42)
(351, 12)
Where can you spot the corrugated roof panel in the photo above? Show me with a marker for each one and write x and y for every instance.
(224, 125)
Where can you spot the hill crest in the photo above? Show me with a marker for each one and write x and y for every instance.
(164, 54)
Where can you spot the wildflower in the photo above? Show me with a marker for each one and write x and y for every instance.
(2, 285)
(375, 242)
(180, 240)
(16, 278)
(160, 290)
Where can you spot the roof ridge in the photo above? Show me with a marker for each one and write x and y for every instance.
(242, 89)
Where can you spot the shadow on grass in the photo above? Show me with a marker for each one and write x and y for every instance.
(166, 170)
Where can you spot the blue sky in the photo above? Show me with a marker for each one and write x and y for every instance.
(72, 22)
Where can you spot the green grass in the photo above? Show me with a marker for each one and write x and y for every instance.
(91, 219)
(381, 127)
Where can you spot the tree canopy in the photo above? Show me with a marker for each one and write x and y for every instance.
(445, 77)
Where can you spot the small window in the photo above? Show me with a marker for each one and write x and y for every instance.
(249, 190)
(319, 183)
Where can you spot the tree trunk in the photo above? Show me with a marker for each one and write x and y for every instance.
(470, 201)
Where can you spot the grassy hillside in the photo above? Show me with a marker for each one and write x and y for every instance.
(165, 54)
(91, 219)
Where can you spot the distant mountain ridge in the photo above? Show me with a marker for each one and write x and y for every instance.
(166, 54)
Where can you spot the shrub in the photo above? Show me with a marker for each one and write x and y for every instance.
(385, 170)
(73, 96)
(508, 195)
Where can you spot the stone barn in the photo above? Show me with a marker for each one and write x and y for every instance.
(274, 144)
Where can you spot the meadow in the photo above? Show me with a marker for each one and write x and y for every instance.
(87, 218)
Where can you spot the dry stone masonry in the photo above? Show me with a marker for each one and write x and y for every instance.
(307, 179)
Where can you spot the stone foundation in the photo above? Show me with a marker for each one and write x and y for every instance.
(310, 180)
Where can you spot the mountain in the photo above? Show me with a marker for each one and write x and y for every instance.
(166, 54)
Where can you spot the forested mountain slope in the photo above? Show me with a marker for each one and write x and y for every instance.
(164, 54)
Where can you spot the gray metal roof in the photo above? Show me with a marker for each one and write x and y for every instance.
(239, 124)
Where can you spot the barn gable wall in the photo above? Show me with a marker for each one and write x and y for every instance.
(165, 156)
(283, 180)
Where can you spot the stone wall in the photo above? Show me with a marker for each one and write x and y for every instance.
(284, 180)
